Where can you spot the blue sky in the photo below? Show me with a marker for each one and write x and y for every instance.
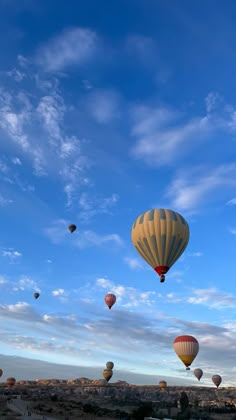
(108, 109)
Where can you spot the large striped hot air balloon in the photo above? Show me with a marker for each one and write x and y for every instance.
(110, 300)
(160, 237)
(186, 347)
(198, 373)
(216, 379)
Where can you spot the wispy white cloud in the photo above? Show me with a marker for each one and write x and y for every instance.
(58, 231)
(104, 283)
(89, 238)
(51, 111)
(58, 292)
(3, 280)
(74, 46)
(133, 263)
(20, 311)
(212, 298)
(16, 161)
(93, 205)
(5, 201)
(25, 283)
(232, 231)
(10, 253)
(212, 101)
(51, 151)
(231, 202)
(16, 74)
(163, 134)
(195, 254)
(103, 105)
(189, 189)
(161, 138)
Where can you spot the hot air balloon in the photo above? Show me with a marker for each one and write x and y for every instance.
(162, 385)
(110, 299)
(72, 228)
(107, 374)
(109, 365)
(198, 373)
(186, 347)
(216, 379)
(160, 237)
(1, 372)
(36, 295)
(10, 382)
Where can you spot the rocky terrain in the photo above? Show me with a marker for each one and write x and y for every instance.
(89, 399)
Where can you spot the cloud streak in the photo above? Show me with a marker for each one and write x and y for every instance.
(74, 46)
(164, 135)
(189, 189)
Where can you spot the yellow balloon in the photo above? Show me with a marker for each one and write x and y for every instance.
(107, 374)
(160, 237)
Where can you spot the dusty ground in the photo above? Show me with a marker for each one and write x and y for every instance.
(17, 409)
(222, 416)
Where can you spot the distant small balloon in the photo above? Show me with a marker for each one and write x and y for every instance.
(36, 295)
(198, 373)
(10, 382)
(110, 300)
(107, 374)
(216, 379)
(109, 365)
(162, 385)
(1, 372)
(72, 228)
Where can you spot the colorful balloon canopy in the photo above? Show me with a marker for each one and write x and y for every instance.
(36, 295)
(186, 347)
(107, 374)
(198, 373)
(10, 382)
(109, 365)
(216, 379)
(160, 236)
(162, 385)
(110, 300)
(72, 228)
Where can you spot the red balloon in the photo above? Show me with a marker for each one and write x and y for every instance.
(216, 379)
(110, 299)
